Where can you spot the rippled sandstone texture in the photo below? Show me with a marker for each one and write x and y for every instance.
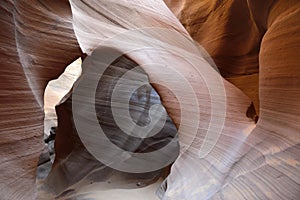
(37, 42)
(255, 44)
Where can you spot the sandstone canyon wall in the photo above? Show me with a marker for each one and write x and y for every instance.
(254, 44)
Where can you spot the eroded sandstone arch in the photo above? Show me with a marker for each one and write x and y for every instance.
(243, 38)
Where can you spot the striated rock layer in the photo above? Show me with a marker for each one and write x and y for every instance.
(37, 42)
(247, 37)
(224, 154)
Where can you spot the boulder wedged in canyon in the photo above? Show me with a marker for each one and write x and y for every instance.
(255, 45)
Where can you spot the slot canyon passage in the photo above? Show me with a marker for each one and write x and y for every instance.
(171, 100)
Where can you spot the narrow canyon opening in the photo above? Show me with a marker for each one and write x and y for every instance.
(67, 164)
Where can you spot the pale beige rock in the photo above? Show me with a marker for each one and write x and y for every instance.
(56, 90)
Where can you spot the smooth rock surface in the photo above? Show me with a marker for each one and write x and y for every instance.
(255, 45)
